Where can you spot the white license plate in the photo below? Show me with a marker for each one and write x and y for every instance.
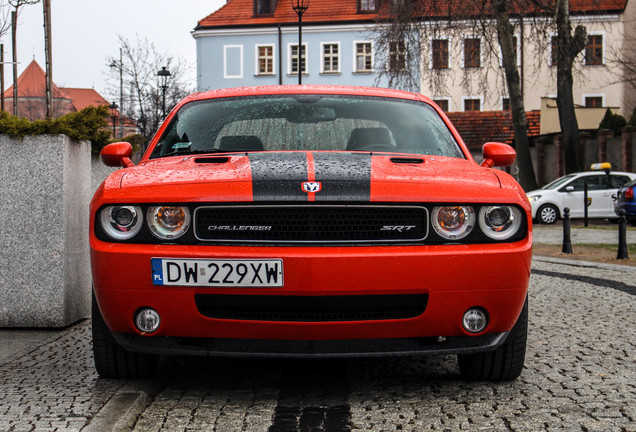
(217, 273)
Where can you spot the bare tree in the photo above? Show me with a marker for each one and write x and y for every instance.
(139, 65)
(418, 22)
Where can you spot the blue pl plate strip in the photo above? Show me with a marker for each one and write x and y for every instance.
(157, 271)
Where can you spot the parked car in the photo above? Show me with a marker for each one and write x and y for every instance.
(312, 221)
(568, 191)
(625, 200)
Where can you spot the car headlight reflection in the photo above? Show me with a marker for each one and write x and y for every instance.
(453, 222)
(121, 222)
(500, 222)
(168, 222)
(534, 198)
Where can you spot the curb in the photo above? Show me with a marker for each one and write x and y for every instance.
(122, 410)
(586, 264)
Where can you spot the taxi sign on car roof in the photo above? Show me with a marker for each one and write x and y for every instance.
(601, 166)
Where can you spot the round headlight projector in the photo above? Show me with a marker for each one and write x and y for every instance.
(475, 320)
(147, 320)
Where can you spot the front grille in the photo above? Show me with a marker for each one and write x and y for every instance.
(311, 308)
(311, 223)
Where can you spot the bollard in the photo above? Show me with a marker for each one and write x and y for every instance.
(567, 243)
(622, 236)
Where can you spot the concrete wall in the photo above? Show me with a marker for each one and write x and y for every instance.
(45, 277)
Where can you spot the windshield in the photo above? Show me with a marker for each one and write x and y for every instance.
(555, 184)
(307, 122)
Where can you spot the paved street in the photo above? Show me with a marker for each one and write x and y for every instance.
(580, 375)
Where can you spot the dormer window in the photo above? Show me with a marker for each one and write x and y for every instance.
(367, 6)
(264, 7)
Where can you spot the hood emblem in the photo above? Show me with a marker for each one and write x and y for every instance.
(312, 187)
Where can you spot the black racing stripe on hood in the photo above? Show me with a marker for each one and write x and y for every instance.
(344, 176)
(278, 176)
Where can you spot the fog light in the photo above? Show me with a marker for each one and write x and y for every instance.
(147, 320)
(475, 320)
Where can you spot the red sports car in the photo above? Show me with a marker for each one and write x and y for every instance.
(296, 221)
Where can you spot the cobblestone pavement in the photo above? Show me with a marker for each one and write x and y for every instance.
(580, 375)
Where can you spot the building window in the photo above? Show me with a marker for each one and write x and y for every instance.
(294, 59)
(265, 60)
(505, 104)
(364, 57)
(594, 50)
(593, 101)
(472, 53)
(264, 7)
(515, 50)
(232, 61)
(367, 5)
(330, 57)
(397, 56)
(440, 54)
(472, 104)
(442, 103)
(554, 51)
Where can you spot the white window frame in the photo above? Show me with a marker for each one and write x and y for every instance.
(322, 58)
(225, 74)
(587, 95)
(481, 102)
(257, 72)
(355, 56)
(447, 99)
(596, 33)
(481, 52)
(518, 36)
(289, 58)
(450, 51)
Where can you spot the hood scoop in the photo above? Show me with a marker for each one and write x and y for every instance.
(211, 160)
(404, 160)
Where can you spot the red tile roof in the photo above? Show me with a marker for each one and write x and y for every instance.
(32, 83)
(83, 97)
(479, 127)
(240, 13)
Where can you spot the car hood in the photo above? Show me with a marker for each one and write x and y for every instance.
(312, 176)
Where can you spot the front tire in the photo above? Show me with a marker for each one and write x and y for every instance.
(548, 214)
(503, 364)
(113, 361)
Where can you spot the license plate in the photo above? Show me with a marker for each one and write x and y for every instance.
(217, 273)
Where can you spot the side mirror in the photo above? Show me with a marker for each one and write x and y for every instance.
(614, 197)
(497, 154)
(117, 154)
(569, 189)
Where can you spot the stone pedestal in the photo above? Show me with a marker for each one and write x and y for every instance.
(45, 276)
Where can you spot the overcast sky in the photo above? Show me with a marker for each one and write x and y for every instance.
(85, 33)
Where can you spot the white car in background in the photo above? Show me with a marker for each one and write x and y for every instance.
(567, 191)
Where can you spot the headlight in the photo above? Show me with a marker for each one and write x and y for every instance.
(453, 222)
(534, 198)
(121, 222)
(168, 222)
(499, 222)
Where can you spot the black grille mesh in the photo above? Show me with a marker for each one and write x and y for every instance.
(308, 223)
(311, 308)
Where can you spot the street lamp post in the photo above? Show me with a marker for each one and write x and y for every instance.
(120, 66)
(164, 76)
(113, 114)
(300, 6)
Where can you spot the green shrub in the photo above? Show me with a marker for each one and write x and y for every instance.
(89, 124)
(613, 122)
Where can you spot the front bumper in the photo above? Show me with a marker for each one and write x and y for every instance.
(314, 349)
(454, 277)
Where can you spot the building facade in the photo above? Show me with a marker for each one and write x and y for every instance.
(255, 42)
